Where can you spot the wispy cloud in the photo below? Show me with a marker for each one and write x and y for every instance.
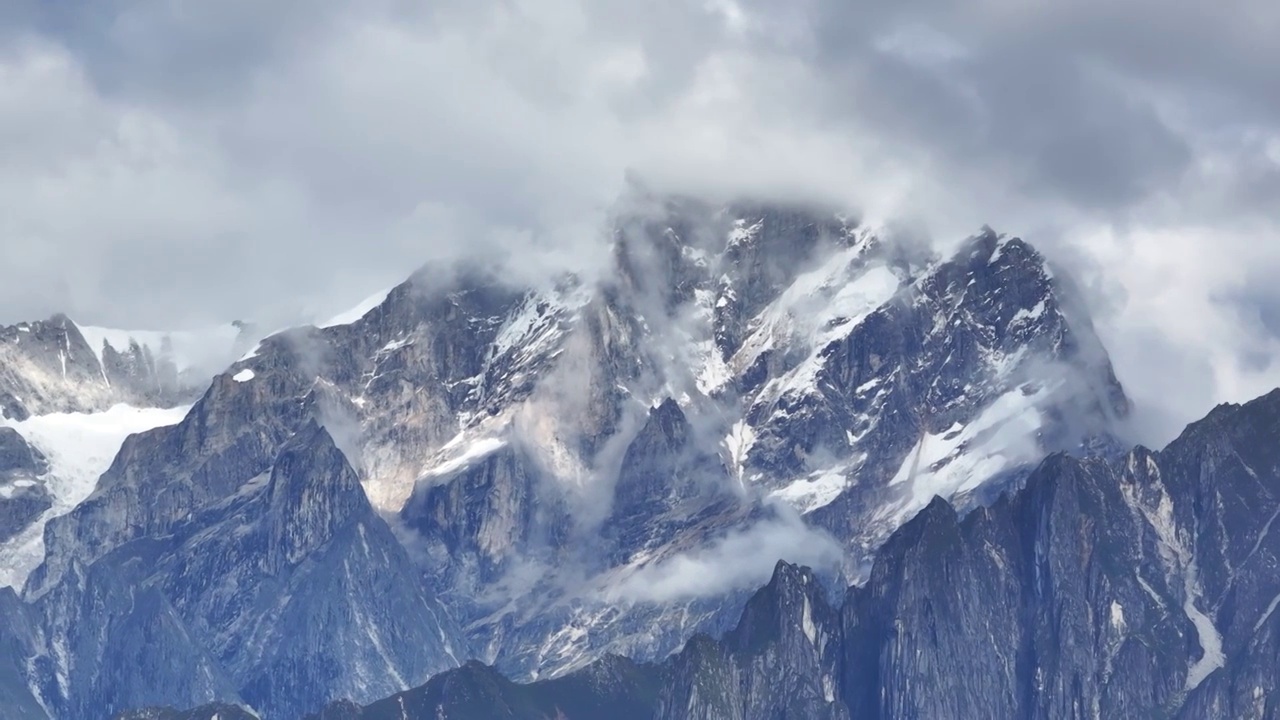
(172, 164)
(741, 560)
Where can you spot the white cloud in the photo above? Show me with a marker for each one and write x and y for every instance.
(1177, 318)
(741, 560)
(170, 165)
(350, 154)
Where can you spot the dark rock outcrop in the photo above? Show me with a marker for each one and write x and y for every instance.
(472, 469)
(1139, 588)
(23, 497)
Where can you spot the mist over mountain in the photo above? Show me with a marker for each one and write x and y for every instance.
(541, 477)
(1104, 587)
(564, 359)
(173, 168)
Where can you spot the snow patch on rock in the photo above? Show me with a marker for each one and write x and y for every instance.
(465, 457)
(964, 457)
(810, 493)
(80, 447)
(1178, 557)
(359, 311)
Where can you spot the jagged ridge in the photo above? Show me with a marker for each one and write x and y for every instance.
(1104, 589)
(752, 355)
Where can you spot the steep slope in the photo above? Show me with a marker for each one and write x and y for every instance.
(76, 449)
(17, 643)
(184, 515)
(72, 394)
(22, 497)
(614, 687)
(779, 661)
(228, 602)
(845, 376)
(57, 365)
(568, 468)
(216, 711)
(1139, 588)
(971, 369)
(1118, 590)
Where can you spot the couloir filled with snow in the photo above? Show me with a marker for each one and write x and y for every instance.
(79, 448)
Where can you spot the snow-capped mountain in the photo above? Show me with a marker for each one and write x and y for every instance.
(57, 365)
(69, 396)
(1141, 586)
(541, 476)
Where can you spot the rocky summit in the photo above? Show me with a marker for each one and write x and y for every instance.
(69, 396)
(1143, 586)
(477, 497)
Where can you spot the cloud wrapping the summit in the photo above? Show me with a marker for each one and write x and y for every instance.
(175, 163)
(254, 160)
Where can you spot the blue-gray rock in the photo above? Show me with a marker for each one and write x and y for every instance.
(477, 470)
(1144, 587)
(286, 594)
(50, 366)
(23, 497)
(215, 711)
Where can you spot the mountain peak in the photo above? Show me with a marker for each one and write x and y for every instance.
(568, 464)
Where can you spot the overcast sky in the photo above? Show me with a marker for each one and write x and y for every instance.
(170, 163)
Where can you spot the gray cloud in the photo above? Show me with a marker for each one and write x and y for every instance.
(172, 163)
(1136, 142)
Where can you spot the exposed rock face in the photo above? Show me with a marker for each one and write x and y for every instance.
(668, 480)
(782, 660)
(1138, 588)
(1111, 590)
(21, 505)
(227, 602)
(18, 642)
(22, 497)
(526, 475)
(48, 367)
(613, 687)
(774, 355)
(58, 366)
(216, 711)
(17, 458)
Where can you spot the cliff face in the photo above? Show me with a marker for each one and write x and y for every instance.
(289, 584)
(1144, 587)
(1126, 589)
(541, 477)
(69, 396)
(57, 365)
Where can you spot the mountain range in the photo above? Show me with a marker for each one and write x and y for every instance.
(473, 497)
